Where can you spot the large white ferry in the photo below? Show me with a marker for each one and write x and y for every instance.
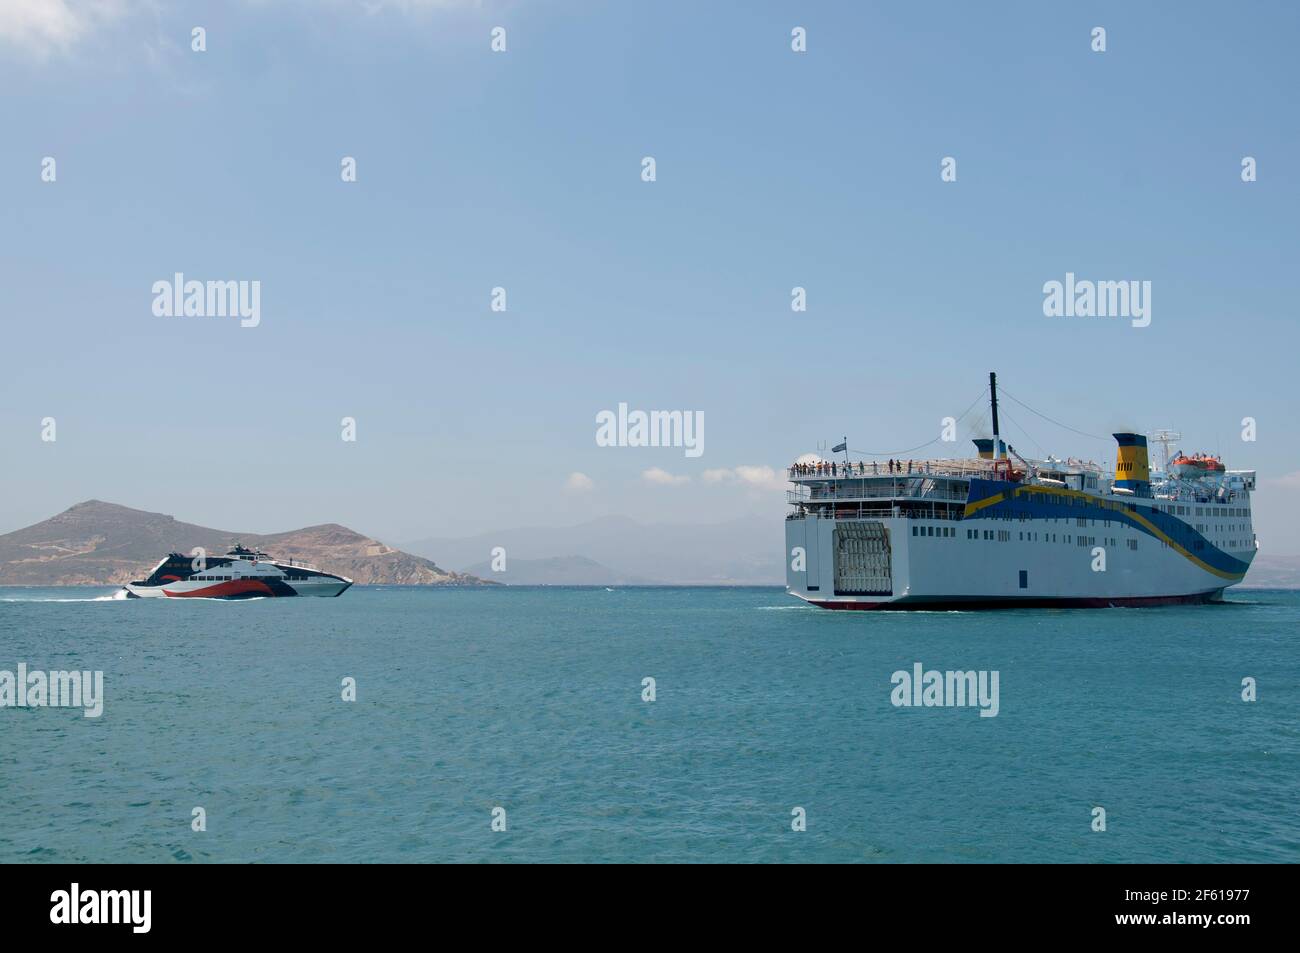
(240, 574)
(1002, 530)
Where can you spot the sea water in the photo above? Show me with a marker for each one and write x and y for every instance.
(512, 724)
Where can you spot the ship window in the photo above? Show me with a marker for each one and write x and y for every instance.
(914, 532)
(1024, 579)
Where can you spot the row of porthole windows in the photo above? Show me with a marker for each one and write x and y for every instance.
(255, 578)
(1001, 535)
(947, 532)
(1004, 536)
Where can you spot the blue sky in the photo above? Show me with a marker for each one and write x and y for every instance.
(522, 169)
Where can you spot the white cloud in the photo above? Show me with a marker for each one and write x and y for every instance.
(44, 26)
(759, 477)
(579, 482)
(663, 477)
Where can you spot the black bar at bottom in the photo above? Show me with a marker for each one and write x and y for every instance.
(338, 902)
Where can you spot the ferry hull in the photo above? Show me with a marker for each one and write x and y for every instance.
(239, 574)
(966, 604)
(239, 590)
(976, 563)
(1002, 531)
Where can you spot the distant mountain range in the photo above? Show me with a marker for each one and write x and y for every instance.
(615, 550)
(101, 544)
(96, 543)
(618, 550)
(1273, 572)
(557, 571)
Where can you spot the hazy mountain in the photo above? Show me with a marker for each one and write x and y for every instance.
(739, 552)
(557, 571)
(1273, 572)
(96, 543)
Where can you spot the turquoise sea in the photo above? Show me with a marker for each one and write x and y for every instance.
(530, 699)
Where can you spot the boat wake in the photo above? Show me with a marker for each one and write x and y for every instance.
(119, 596)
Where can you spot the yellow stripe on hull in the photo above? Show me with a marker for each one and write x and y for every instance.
(975, 507)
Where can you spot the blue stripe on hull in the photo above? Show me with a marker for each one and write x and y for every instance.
(1005, 500)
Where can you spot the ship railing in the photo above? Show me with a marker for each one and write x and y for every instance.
(806, 494)
(841, 512)
(923, 469)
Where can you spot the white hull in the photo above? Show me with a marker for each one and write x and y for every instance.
(955, 536)
(334, 586)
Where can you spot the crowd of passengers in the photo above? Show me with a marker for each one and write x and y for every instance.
(831, 468)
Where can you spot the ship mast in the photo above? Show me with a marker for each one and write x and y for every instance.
(1165, 438)
(993, 399)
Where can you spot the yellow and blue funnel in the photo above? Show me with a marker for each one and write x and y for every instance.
(985, 447)
(1132, 470)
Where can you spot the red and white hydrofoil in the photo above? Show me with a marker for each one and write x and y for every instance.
(240, 574)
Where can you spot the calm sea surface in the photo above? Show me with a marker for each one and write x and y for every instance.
(531, 700)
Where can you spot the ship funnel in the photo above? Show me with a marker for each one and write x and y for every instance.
(985, 447)
(1132, 470)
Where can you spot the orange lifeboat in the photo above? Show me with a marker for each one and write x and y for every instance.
(1198, 465)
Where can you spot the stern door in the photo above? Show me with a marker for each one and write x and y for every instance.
(863, 566)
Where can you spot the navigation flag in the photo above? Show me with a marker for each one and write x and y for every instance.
(839, 447)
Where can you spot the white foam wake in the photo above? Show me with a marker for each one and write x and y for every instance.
(111, 597)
